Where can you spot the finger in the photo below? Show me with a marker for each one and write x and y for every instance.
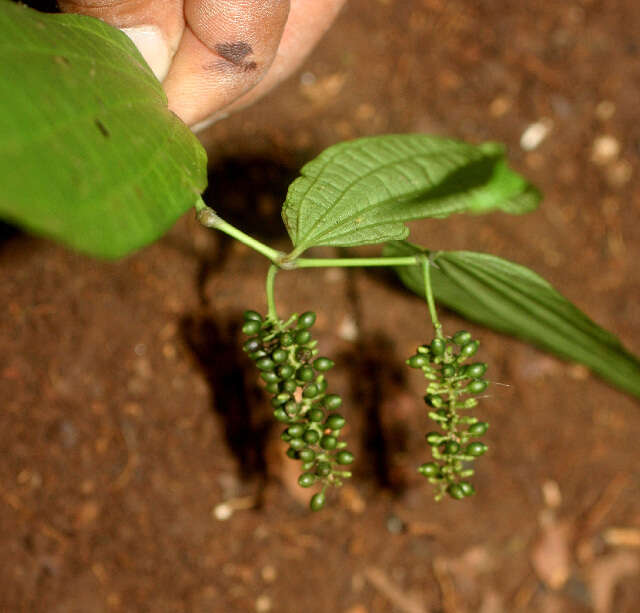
(155, 27)
(308, 21)
(227, 47)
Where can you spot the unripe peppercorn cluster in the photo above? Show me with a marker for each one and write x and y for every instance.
(294, 375)
(452, 387)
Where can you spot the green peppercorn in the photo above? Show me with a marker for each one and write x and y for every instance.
(478, 429)
(469, 349)
(344, 457)
(469, 403)
(288, 386)
(292, 453)
(434, 400)
(433, 438)
(252, 316)
(417, 361)
(306, 480)
(311, 437)
(286, 339)
(467, 488)
(316, 415)
(306, 320)
(323, 469)
(317, 501)
(302, 336)
(257, 354)
(462, 337)
(322, 364)
(335, 421)
(332, 401)
(429, 469)
(292, 407)
(438, 346)
(475, 371)
(451, 447)
(307, 455)
(311, 391)
(265, 364)
(475, 449)
(297, 443)
(269, 376)
(272, 387)
(322, 386)
(477, 386)
(281, 415)
(279, 356)
(455, 491)
(305, 374)
(448, 371)
(295, 431)
(251, 345)
(328, 442)
(286, 371)
(251, 327)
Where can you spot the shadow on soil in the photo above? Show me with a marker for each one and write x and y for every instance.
(7, 233)
(376, 376)
(248, 192)
(216, 345)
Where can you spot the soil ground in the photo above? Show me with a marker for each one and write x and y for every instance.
(129, 415)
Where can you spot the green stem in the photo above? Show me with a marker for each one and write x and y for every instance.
(209, 218)
(428, 294)
(271, 301)
(349, 262)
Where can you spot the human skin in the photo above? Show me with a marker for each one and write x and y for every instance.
(216, 56)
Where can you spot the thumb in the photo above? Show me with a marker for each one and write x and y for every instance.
(226, 49)
(155, 27)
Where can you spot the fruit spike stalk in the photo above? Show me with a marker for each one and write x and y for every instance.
(428, 294)
(270, 290)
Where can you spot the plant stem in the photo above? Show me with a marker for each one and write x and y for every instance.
(271, 301)
(428, 294)
(209, 218)
(348, 262)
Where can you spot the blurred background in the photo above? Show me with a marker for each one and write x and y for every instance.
(140, 469)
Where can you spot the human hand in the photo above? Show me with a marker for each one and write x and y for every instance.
(216, 56)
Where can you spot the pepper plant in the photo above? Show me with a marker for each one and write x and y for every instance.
(91, 156)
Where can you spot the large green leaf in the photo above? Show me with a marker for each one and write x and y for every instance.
(89, 152)
(363, 191)
(513, 299)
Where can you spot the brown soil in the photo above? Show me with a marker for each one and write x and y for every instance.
(128, 413)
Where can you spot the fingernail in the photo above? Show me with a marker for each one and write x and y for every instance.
(153, 46)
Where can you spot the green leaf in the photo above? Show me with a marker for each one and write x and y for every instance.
(363, 191)
(512, 299)
(89, 154)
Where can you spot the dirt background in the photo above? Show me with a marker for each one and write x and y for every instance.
(140, 470)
